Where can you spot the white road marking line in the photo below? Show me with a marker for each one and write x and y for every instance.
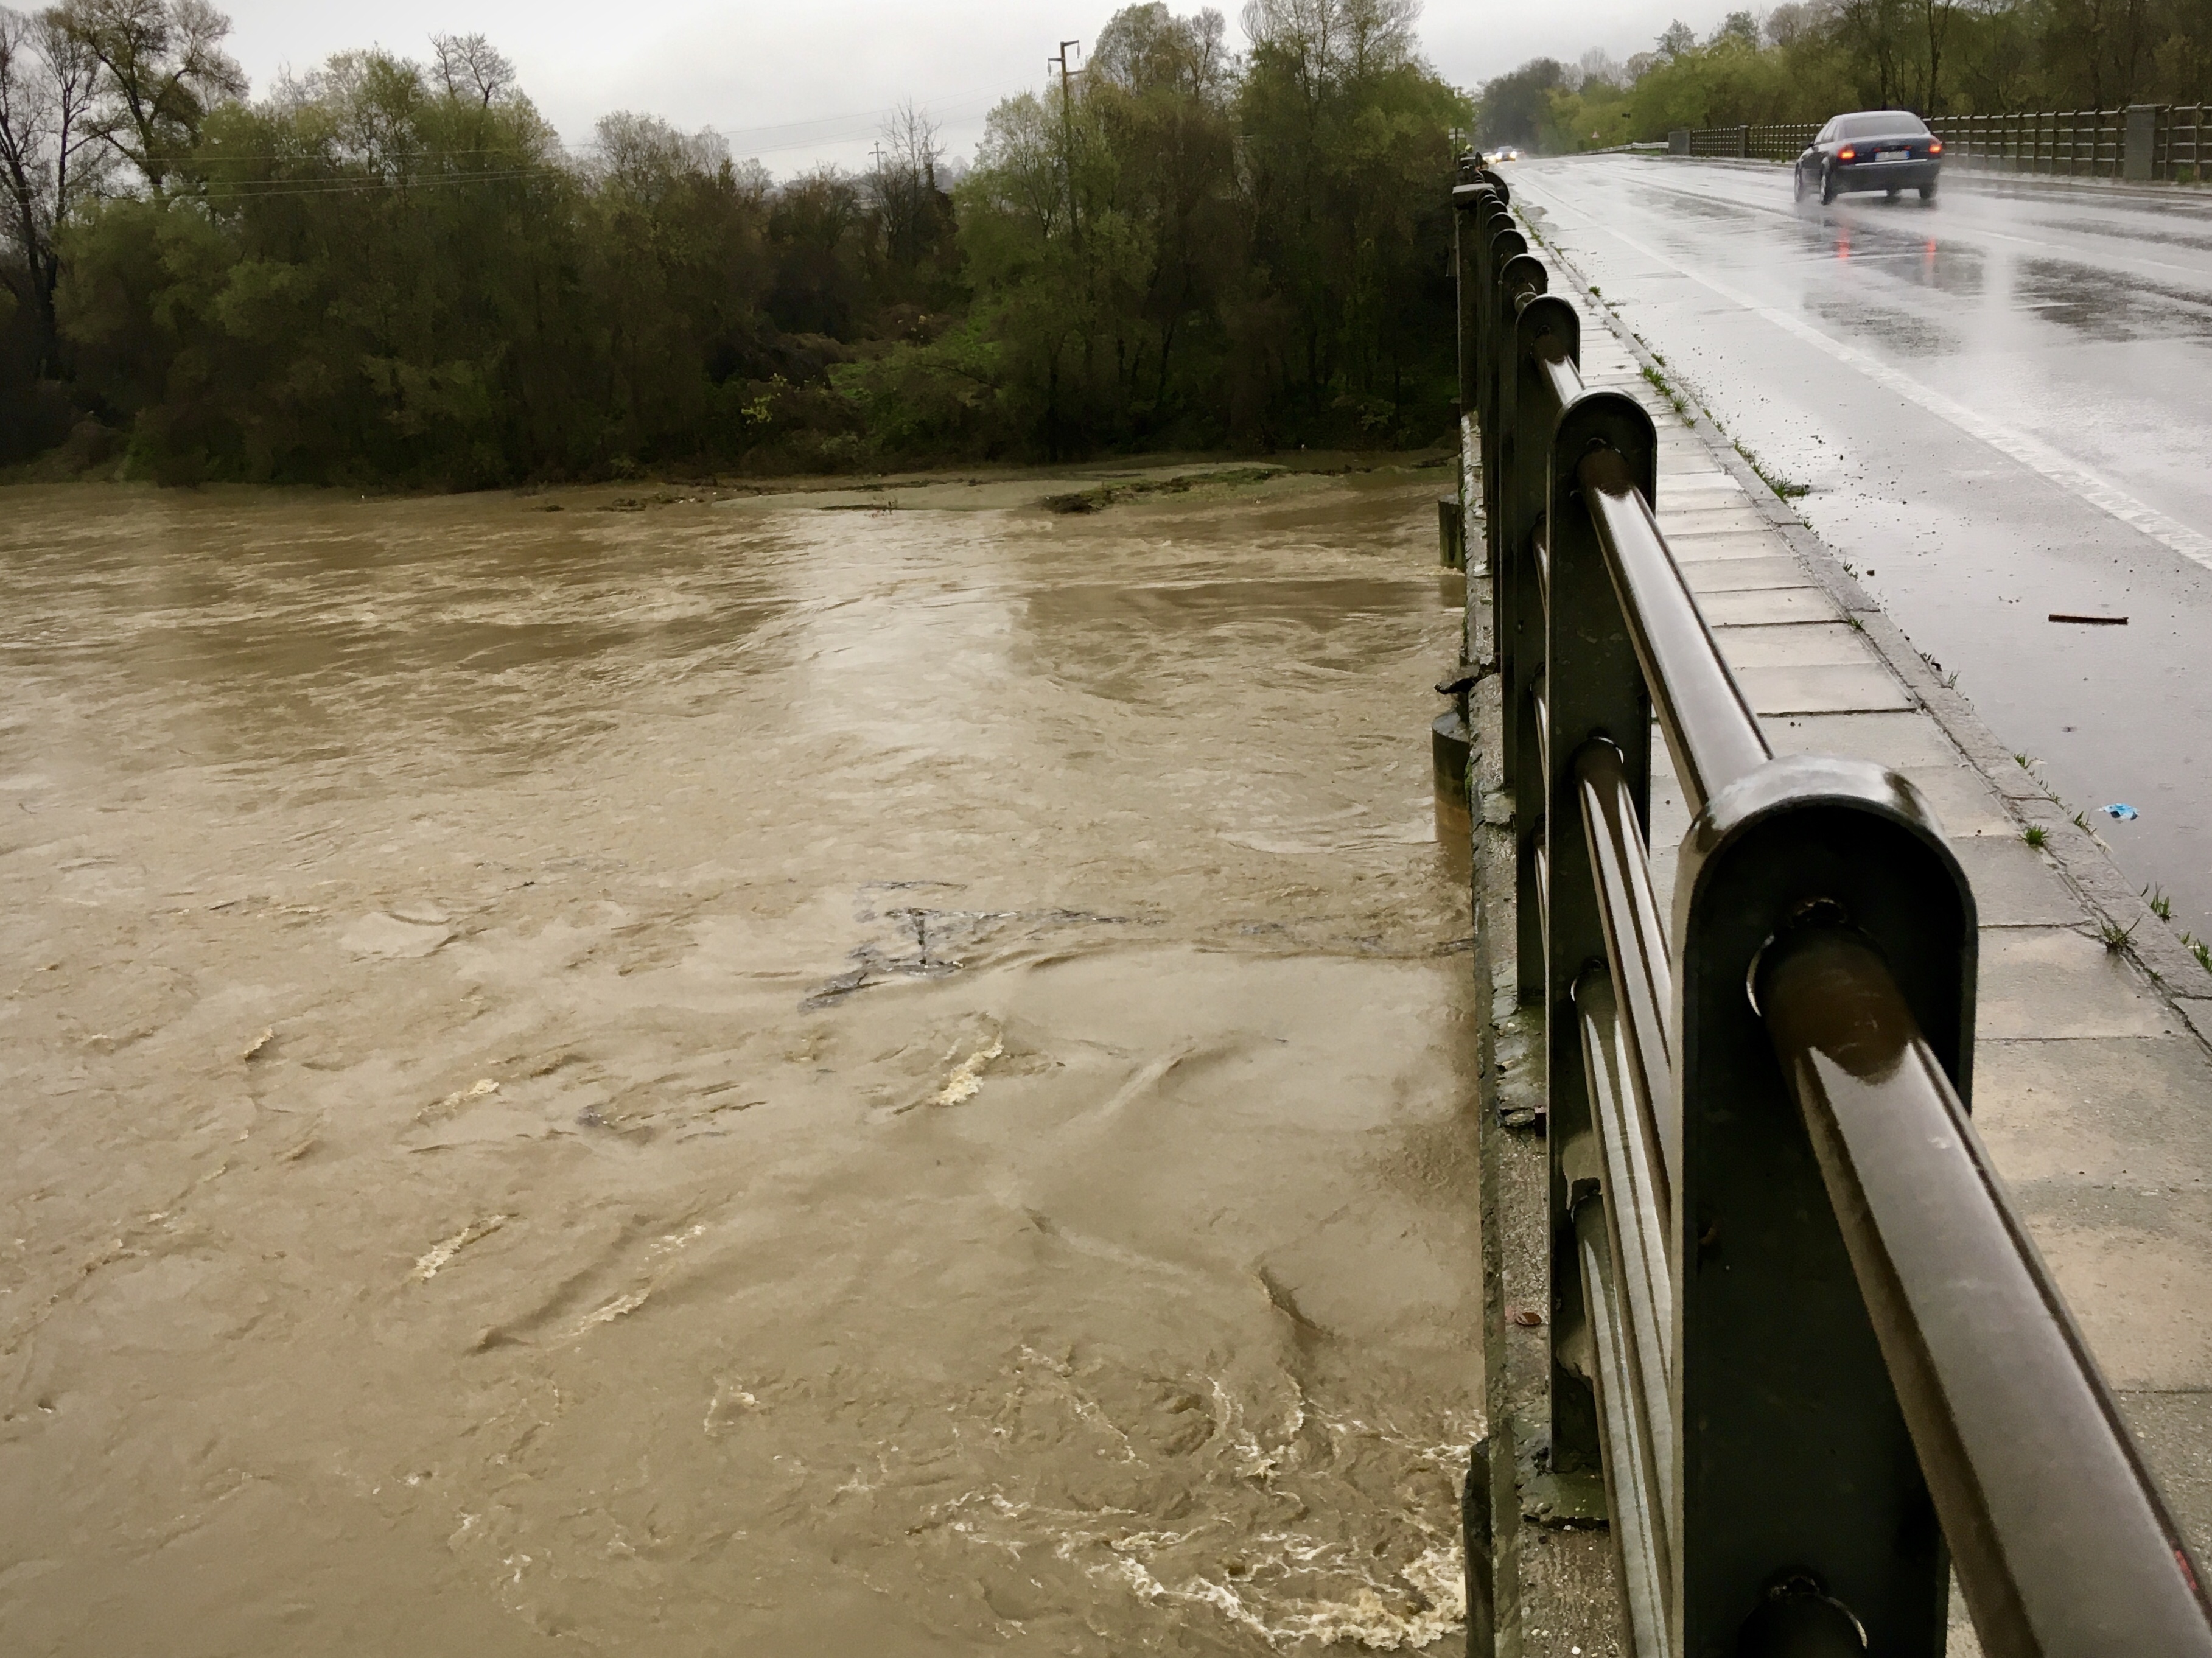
(1956, 230)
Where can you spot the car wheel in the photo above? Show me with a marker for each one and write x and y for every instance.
(1889, 195)
(1827, 188)
(1927, 192)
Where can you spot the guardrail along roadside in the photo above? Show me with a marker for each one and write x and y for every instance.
(2148, 143)
(1761, 1306)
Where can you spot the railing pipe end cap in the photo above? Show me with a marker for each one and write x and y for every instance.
(1812, 784)
(1797, 782)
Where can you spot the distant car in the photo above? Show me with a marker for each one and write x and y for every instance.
(1885, 150)
(1508, 153)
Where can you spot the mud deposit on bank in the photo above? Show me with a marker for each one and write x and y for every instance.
(730, 1078)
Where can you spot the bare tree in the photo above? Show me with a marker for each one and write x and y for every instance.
(902, 185)
(2130, 45)
(164, 67)
(643, 158)
(1877, 28)
(1789, 23)
(471, 69)
(1738, 27)
(1330, 44)
(2000, 70)
(50, 157)
(1600, 67)
(1937, 17)
(2097, 50)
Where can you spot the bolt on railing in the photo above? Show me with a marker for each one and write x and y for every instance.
(1796, 1322)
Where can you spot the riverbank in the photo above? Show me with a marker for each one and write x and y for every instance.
(1105, 481)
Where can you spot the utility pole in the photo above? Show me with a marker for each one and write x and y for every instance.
(1068, 131)
(1062, 62)
(1074, 233)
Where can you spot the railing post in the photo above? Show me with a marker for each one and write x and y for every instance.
(1795, 1457)
(2138, 149)
(1506, 244)
(1490, 216)
(1545, 329)
(1467, 198)
(1480, 1537)
(1594, 691)
(1476, 202)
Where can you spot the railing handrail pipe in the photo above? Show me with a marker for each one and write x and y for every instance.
(2057, 1529)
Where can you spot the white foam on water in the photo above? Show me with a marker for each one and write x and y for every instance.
(967, 1079)
(1342, 1570)
(433, 1259)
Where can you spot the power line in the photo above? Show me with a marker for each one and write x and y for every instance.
(293, 184)
(796, 127)
(738, 139)
(227, 191)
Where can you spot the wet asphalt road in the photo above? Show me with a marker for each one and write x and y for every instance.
(2001, 405)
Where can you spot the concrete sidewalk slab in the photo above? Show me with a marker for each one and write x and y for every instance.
(1750, 607)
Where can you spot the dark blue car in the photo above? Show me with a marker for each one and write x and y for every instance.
(1885, 150)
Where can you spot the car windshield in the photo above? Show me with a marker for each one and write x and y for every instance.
(1882, 124)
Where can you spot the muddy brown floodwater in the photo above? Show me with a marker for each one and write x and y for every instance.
(734, 1078)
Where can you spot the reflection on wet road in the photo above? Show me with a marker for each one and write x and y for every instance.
(2002, 406)
(739, 1078)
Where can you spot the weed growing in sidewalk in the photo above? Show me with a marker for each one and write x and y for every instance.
(2035, 836)
(2160, 905)
(1781, 487)
(2113, 935)
(1660, 383)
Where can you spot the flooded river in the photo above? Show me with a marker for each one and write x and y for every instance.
(730, 1076)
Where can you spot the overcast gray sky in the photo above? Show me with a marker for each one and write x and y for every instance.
(797, 84)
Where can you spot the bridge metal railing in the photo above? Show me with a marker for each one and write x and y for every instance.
(2183, 144)
(1783, 141)
(1796, 1320)
(2161, 141)
(2086, 143)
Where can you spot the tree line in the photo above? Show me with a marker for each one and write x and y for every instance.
(1808, 59)
(393, 271)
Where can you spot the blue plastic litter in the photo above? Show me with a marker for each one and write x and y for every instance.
(2119, 809)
